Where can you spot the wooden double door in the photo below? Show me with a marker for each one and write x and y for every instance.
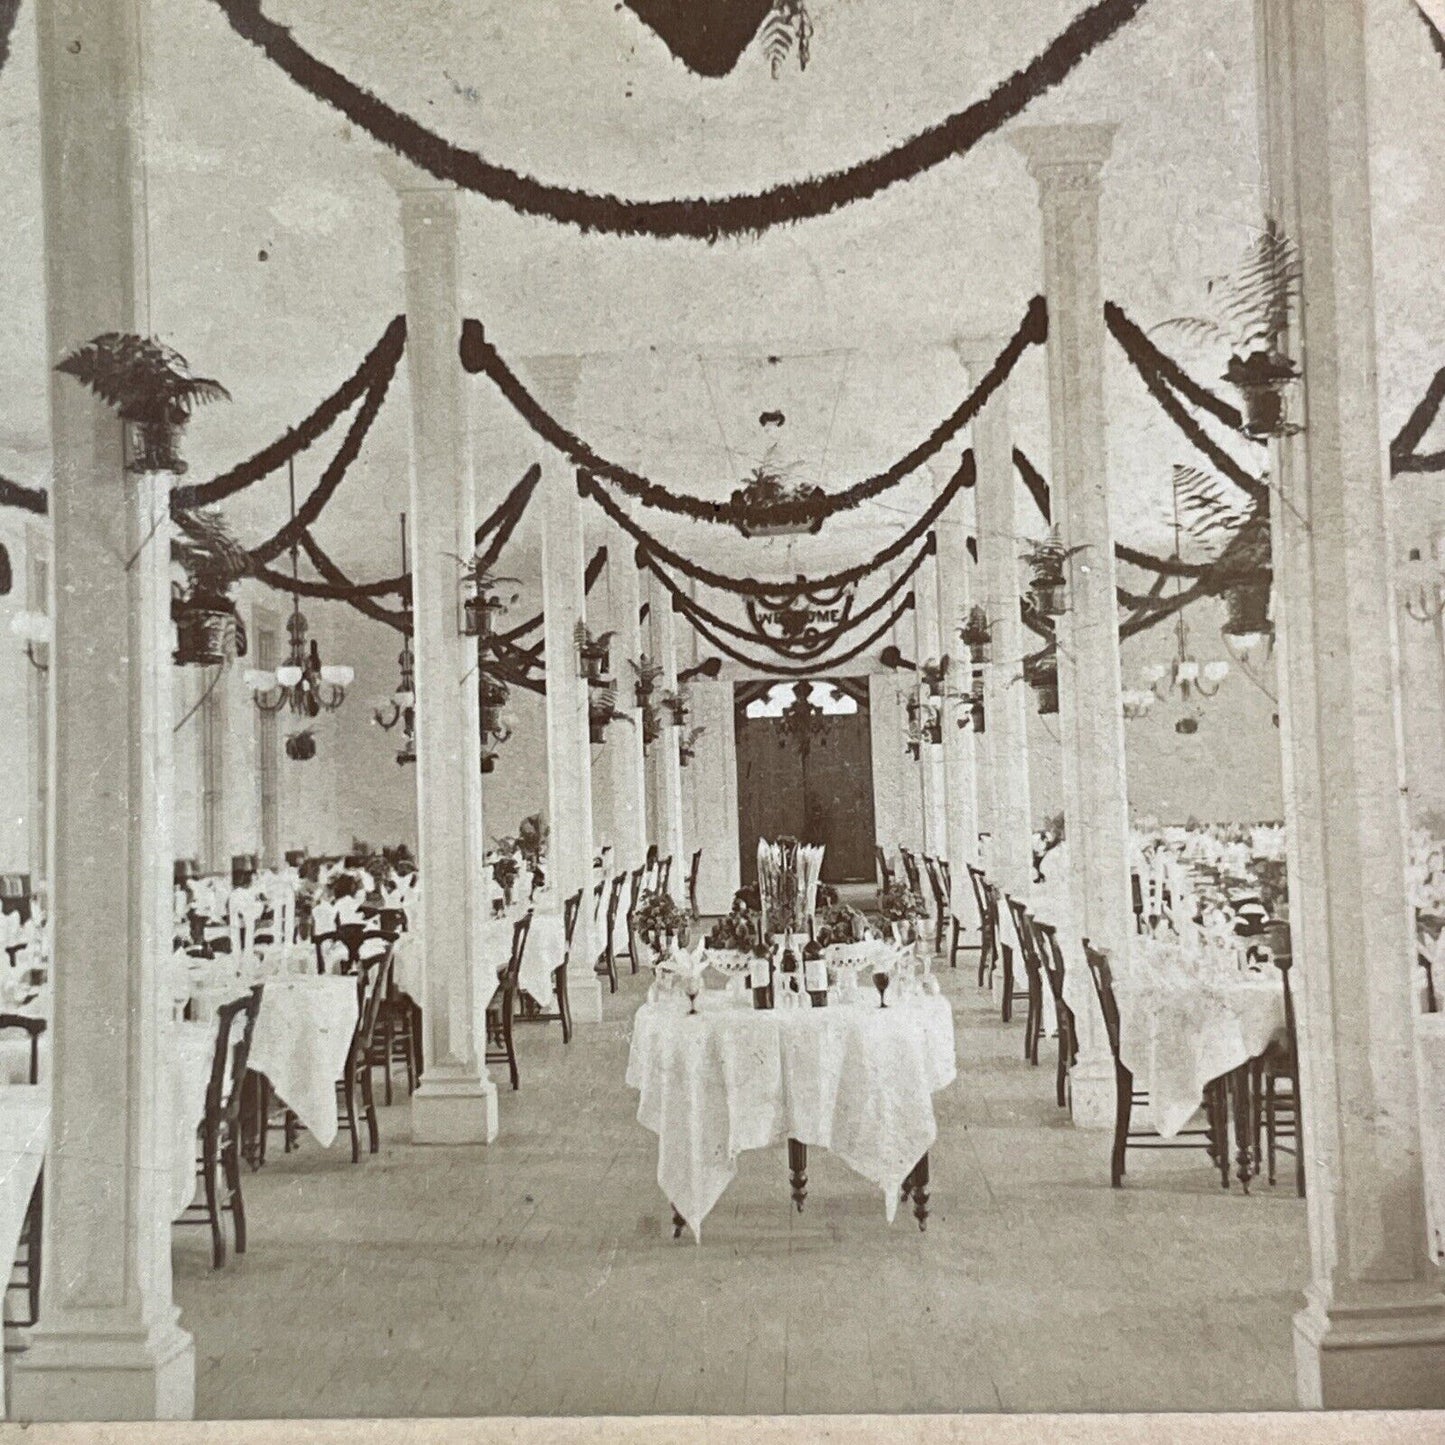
(821, 792)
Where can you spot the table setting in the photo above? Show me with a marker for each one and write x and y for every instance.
(811, 1056)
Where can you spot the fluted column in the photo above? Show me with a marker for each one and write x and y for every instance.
(671, 838)
(1372, 1332)
(1006, 699)
(569, 747)
(1066, 161)
(960, 779)
(623, 753)
(109, 1345)
(456, 1102)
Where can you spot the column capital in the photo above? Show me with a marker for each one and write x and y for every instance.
(1066, 157)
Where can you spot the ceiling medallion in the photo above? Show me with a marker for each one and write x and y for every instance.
(708, 36)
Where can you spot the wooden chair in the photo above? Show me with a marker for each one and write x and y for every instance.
(1010, 994)
(1033, 967)
(940, 900)
(531, 1012)
(634, 893)
(955, 941)
(1432, 999)
(25, 1269)
(501, 1049)
(397, 1038)
(987, 924)
(34, 1028)
(1277, 1078)
(219, 1135)
(1051, 957)
(373, 978)
(607, 959)
(664, 874)
(1214, 1136)
(885, 869)
(694, 868)
(910, 869)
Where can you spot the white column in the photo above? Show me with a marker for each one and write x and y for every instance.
(1372, 1332)
(930, 759)
(1066, 162)
(955, 588)
(569, 749)
(1006, 700)
(671, 838)
(109, 1345)
(623, 753)
(456, 1102)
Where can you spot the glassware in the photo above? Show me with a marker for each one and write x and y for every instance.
(880, 982)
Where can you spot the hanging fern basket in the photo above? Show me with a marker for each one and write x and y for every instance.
(205, 636)
(1247, 611)
(1049, 598)
(1260, 379)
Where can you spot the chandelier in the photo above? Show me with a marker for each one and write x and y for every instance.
(402, 706)
(1183, 674)
(802, 721)
(303, 683)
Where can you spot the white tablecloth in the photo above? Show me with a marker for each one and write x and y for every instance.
(302, 1036)
(546, 948)
(187, 1049)
(1178, 1034)
(856, 1080)
(1430, 1051)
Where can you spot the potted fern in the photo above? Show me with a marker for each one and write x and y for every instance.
(484, 604)
(1045, 560)
(1252, 307)
(595, 655)
(764, 493)
(687, 747)
(602, 712)
(977, 636)
(203, 607)
(647, 674)
(1041, 672)
(150, 387)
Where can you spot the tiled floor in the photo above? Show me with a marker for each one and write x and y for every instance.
(537, 1276)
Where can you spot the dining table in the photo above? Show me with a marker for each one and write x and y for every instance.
(853, 1077)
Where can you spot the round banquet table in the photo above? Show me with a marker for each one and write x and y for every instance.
(855, 1079)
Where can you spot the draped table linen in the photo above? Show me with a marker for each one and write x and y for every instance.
(857, 1080)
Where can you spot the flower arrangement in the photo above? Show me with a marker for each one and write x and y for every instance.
(977, 635)
(1045, 560)
(594, 654)
(788, 882)
(898, 903)
(736, 933)
(506, 867)
(765, 490)
(656, 916)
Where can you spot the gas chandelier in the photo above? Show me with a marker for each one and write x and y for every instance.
(303, 683)
(802, 721)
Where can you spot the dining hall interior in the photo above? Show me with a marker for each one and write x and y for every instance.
(721, 713)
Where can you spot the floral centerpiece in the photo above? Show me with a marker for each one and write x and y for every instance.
(840, 924)
(901, 908)
(771, 505)
(1045, 841)
(658, 921)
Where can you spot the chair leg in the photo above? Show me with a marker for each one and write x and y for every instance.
(209, 1163)
(1299, 1150)
(386, 1051)
(1123, 1109)
(1270, 1124)
(32, 1253)
(349, 1093)
(564, 1005)
(1062, 1075)
(953, 941)
(231, 1163)
(368, 1105)
(983, 951)
(507, 1042)
(1008, 984)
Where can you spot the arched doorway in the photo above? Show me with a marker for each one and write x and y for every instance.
(805, 770)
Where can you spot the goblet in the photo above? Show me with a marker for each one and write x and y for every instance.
(692, 988)
(880, 982)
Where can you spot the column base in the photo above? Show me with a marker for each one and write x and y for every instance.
(92, 1373)
(458, 1110)
(1381, 1352)
(1092, 1092)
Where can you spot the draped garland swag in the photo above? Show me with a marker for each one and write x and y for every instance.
(700, 218)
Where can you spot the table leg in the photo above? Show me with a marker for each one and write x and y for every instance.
(1239, 1097)
(798, 1172)
(678, 1223)
(916, 1185)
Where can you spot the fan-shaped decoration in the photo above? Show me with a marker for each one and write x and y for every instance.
(708, 36)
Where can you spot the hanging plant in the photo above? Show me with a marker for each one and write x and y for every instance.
(1041, 672)
(301, 746)
(496, 723)
(532, 834)
(1244, 559)
(687, 747)
(933, 675)
(678, 705)
(766, 491)
(485, 603)
(203, 607)
(595, 655)
(602, 712)
(647, 674)
(787, 31)
(1252, 310)
(1045, 560)
(977, 636)
(149, 386)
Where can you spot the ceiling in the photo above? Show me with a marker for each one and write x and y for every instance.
(274, 249)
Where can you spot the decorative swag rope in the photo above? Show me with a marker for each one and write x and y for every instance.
(479, 355)
(701, 218)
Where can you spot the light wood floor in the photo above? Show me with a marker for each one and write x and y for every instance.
(537, 1276)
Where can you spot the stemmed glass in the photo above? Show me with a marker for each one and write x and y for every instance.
(692, 988)
(880, 982)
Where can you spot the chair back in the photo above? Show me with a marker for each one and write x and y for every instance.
(991, 894)
(1136, 894)
(694, 869)
(935, 882)
(910, 867)
(235, 1023)
(885, 871)
(373, 983)
(635, 891)
(353, 936)
(664, 874)
(980, 897)
(1024, 929)
(1051, 957)
(1432, 999)
(1103, 978)
(571, 907)
(1277, 936)
(945, 875)
(598, 889)
(614, 895)
(520, 930)
(34, 1027)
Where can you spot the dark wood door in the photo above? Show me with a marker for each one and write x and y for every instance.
(819, 794)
